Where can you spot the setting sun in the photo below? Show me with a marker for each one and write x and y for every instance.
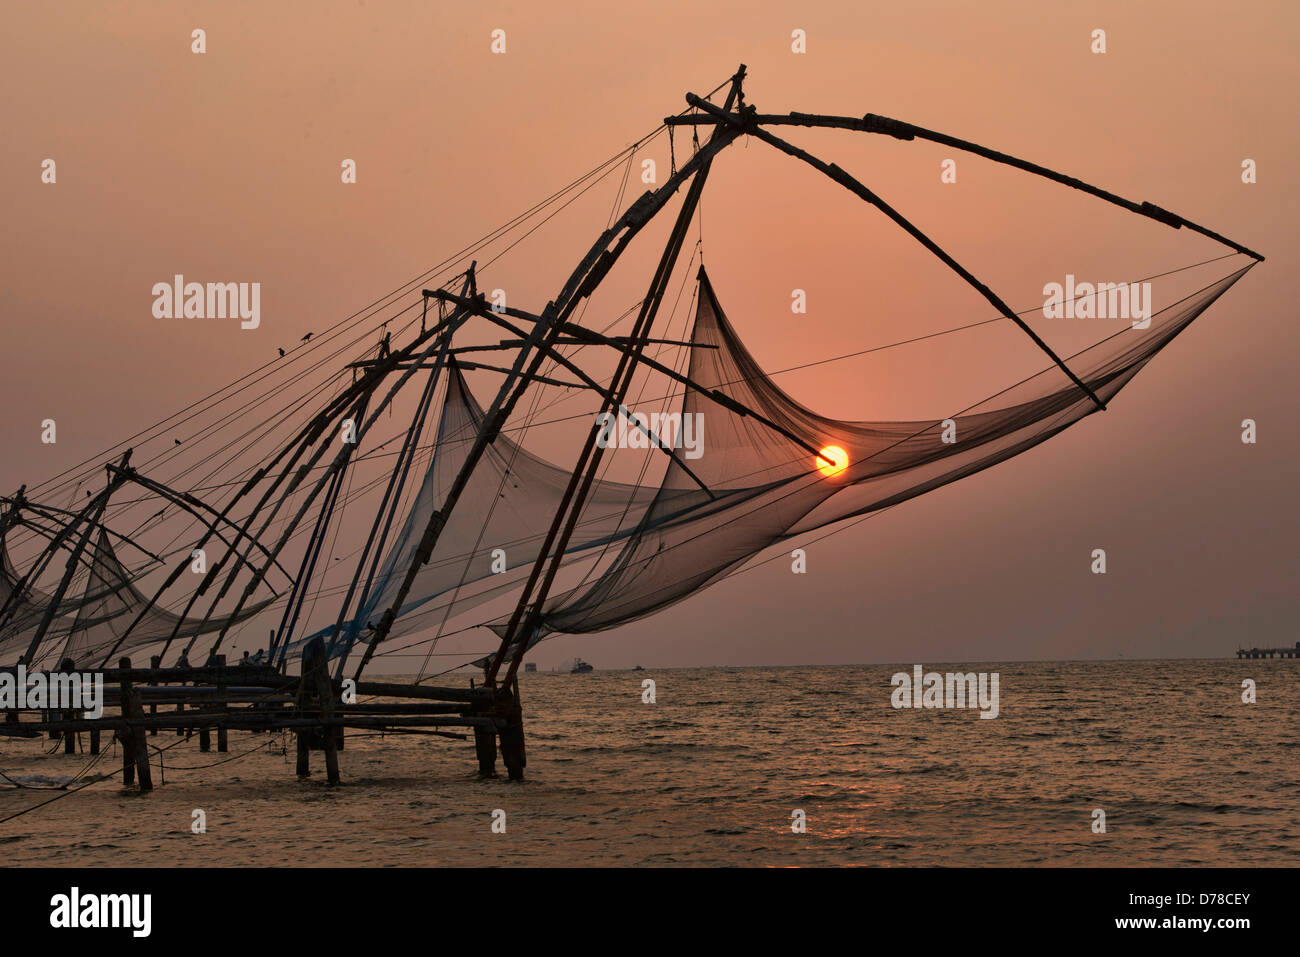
(837, 456)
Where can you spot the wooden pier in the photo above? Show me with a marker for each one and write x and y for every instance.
(1292, 652)
(258, 698)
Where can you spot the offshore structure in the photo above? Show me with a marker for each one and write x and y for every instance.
(558, 548)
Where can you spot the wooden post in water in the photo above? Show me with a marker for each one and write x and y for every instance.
(155, 663)
(180, 706)
(140, 744)
(512, 735)
(314, 663)
(124, 734)
(220, 662)
(485, 739)
(68, 666)
(205, 732)
(303, 735)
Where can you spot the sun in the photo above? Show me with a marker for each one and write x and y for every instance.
(837, 456)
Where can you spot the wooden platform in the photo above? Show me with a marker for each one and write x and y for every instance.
(223, 698)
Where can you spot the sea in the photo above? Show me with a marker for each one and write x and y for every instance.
(1088, 763)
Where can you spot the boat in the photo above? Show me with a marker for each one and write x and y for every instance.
(580, 667)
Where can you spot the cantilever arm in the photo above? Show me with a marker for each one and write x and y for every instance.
(480, 307)
(873, 123)
(52, 513)
(618, 342)
(851, 184)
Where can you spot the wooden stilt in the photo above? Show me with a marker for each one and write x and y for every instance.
(222, 741)
(512, 737)
(140, 744)
(124, 734)
(68, 666)
(205, 732)
(485, 738)
(154, 662)
(485, 745)
(303, 735)
(315, 665)
(94, 742)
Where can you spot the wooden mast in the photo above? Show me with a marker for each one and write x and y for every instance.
(581, 283)
(527, 613)
(397, 480)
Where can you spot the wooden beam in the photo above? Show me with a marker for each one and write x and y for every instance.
(528, 610)
(851, 184)
(874, 123)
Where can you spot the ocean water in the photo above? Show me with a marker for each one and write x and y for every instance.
(710, 774)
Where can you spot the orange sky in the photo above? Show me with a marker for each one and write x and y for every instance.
(225, 167)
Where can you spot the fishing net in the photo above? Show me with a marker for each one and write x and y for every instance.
(765, 487)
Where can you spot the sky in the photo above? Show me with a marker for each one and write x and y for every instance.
(225, 166)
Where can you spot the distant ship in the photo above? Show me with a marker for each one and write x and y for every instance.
(530, 667)
(580, 667)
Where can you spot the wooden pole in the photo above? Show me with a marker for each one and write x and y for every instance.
(528, 608)
(512, 736)
(68, 666)
(154, 662)
(857, 188)
(314, 661)
(98, 504)
(581, 284)
(303, 734)
(140, 744)
(222, 740)
(485, 738)
(124, 734)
